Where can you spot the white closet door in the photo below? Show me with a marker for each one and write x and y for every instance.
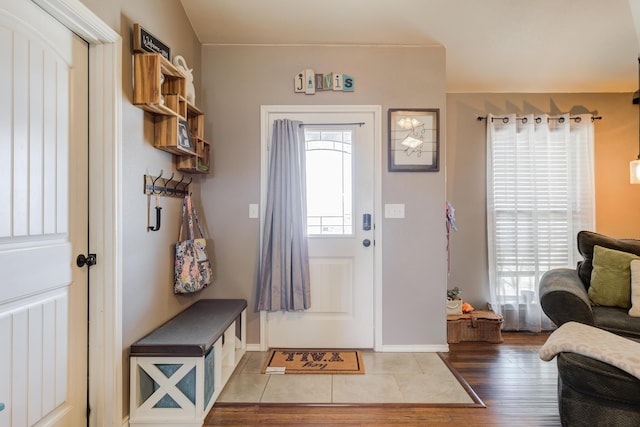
(43, 219)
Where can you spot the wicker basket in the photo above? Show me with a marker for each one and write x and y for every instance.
(479, 325)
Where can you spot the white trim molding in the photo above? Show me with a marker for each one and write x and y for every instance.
(105, 209)
(429, 348)
(265, 111)
(255, 347)
(79, 19)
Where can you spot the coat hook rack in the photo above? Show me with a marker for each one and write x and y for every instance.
(166, 187)
(158, 186)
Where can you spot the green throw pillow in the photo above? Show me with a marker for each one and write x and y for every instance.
(611, 277)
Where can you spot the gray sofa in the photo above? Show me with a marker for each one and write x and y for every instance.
(563, 291)
(591, 392)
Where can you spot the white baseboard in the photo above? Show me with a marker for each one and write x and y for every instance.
(254, 347)
(432, 348)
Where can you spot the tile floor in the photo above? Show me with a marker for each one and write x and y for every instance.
(389, 378)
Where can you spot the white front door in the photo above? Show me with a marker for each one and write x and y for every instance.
(43, 219)
(340, 176)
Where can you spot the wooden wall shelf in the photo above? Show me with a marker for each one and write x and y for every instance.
(160, 88)
(199, 163)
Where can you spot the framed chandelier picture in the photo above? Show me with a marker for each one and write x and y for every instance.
(414, 140)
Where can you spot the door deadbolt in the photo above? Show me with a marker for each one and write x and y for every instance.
(366, 222)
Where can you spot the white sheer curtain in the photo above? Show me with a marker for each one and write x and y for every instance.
(540, 193)
(284, 283)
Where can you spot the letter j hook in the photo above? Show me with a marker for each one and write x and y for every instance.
(158, 215)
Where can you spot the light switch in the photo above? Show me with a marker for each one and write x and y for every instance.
(394, 210)
(253, 210)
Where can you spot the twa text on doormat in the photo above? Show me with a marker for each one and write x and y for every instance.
(314, 361)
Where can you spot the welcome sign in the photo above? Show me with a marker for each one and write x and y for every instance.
(143, 41)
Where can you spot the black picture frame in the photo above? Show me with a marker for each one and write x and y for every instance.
(414, 139)
(184, 136)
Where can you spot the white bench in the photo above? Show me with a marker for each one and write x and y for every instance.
(179, 369)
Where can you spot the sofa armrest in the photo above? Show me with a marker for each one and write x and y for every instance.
(594, 343)
(563, 297)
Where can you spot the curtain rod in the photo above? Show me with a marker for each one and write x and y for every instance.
(539, 119)
(331, 124)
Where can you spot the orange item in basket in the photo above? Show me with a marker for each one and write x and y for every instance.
(467, 308)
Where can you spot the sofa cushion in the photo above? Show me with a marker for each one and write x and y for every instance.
(611, 277)
(588, 239)
(617, 321)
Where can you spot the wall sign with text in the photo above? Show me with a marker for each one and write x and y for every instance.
(309, 82)
(144, 41)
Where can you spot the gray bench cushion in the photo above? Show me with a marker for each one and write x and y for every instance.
(193, 331)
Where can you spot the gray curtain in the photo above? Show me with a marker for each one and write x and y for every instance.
(284, 283)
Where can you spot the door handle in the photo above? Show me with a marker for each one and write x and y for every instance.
(366, 243)
(83, 260)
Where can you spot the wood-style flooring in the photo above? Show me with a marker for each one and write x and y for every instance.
(517, 388)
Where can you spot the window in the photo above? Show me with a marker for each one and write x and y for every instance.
(539, 195)
(329, 182)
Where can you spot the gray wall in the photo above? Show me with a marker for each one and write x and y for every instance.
(231, 85)
(148, 299)
(237, 80)
(616, 143)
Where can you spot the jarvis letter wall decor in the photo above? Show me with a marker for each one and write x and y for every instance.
(308, 82)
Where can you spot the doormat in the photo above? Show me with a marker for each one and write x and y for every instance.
(316, 361)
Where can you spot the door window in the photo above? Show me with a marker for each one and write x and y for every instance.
(329, 182)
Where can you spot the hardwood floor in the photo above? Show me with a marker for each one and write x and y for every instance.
(517, 388)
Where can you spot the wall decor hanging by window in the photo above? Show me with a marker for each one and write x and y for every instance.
(309, 82)
(414, 136)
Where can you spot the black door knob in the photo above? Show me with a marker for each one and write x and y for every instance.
(89, 260)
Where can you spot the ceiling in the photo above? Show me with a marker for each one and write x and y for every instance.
(491, 45)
